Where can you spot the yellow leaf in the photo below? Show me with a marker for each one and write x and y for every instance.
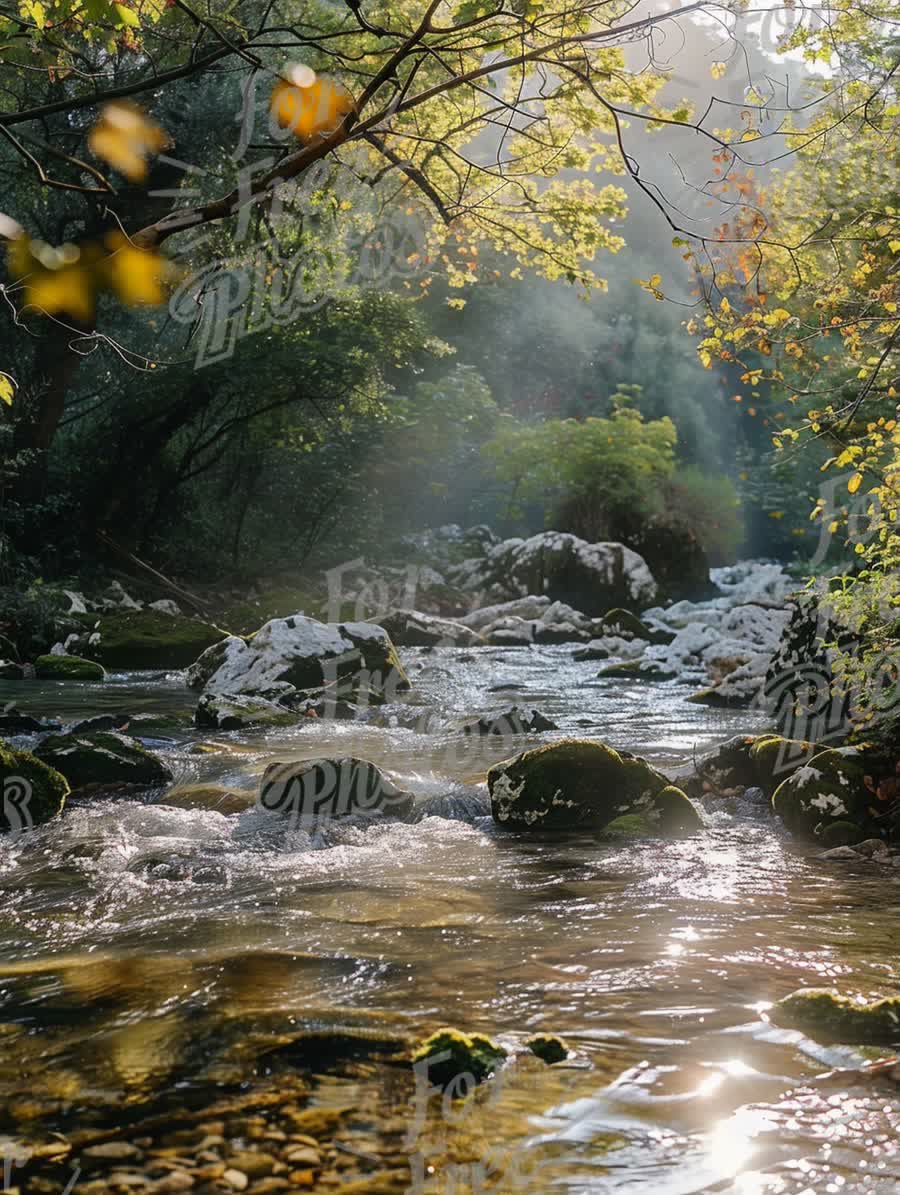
(310, 105)
(6, 389)
(854, 483)
(135, 275)
(718, 69)
(124, 137)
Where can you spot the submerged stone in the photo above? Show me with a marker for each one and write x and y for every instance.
(825, 1015)
(101, 758)
(511, 721)
(33, 792)
(584, 783)
(450, 1058)
(235, 711)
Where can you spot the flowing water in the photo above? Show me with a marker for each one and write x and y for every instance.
(146, 949)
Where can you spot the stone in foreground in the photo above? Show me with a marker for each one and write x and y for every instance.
(100, 758)
(585, 784)
(313, 791)
(449, 1058)
(823, 1014)
(301, 653)
(33, 792)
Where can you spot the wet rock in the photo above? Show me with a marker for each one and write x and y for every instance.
(511, 721)
(101, 758)
(548, 1048)
(449, 1058)
(214, 797)
(110, 1152)
(118, 722)
(839, 836)
(11, 670)
(611, 647)
(456, 807)
(304, 654)
(845, 854)
(236, 711)
(824, 1014)
(582, 783)
(314, 791)
(13, 722)
(32, 791)
(627, 625)
(62, 667)
(630, 825)
(409, 628)
(831, 787)
(774, 758)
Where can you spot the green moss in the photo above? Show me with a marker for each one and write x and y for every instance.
(840, 834)
(584, 783)
(548, 1048)
(775, 758)
(41, 796)
(449, 1053)
(147, 639)
(674, 812)
(67, 668)
(630, 825)
(234, 712)
(825, 1015)
(101, 758)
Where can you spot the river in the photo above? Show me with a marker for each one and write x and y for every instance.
(148, 951)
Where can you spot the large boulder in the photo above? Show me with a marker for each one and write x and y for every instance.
(592, 578)
(832, 787)
(676, 558)
(102, 758)
(582, 783)
(126, 639)
(62, 667)
(410, 628)
(31, 792)
(300, 653)
(313, 791)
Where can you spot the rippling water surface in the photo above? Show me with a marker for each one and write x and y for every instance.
(145, 947)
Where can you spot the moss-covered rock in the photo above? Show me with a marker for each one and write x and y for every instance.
(548, 1048)
(583, 783)
(825, 1015)
(145, 639)
(67, 668)
(775, 758)
(630, 825)
(226, 711)
(100, 758)
(448, 1055)
(840, 834)
(831, 787)
(33, 792)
